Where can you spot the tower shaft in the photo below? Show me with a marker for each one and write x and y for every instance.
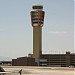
(37, 41)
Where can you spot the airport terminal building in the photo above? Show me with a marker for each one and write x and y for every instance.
(63, 60)
(56, 60)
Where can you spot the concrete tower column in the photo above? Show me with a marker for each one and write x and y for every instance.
(37, 18)
(37, 41)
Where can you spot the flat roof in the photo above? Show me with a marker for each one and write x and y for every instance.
(37, 6)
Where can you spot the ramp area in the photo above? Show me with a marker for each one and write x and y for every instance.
(40, 70)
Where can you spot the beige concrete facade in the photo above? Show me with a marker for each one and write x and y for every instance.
(37, 41)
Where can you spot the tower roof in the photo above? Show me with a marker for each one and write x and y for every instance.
(37, 7)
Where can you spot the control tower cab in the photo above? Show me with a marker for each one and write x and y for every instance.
(37, 15)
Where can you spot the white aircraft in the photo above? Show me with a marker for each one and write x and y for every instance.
(3, 72)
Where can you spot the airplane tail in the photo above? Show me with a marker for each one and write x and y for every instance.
(1, 69)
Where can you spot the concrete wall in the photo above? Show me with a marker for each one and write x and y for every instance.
(37, 42)
(23, 61)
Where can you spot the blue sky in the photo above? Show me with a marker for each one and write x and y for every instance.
(16, 35)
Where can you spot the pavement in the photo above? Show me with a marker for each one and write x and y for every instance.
(31, 70)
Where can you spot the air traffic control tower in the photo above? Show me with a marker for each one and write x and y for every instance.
(37, 19)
